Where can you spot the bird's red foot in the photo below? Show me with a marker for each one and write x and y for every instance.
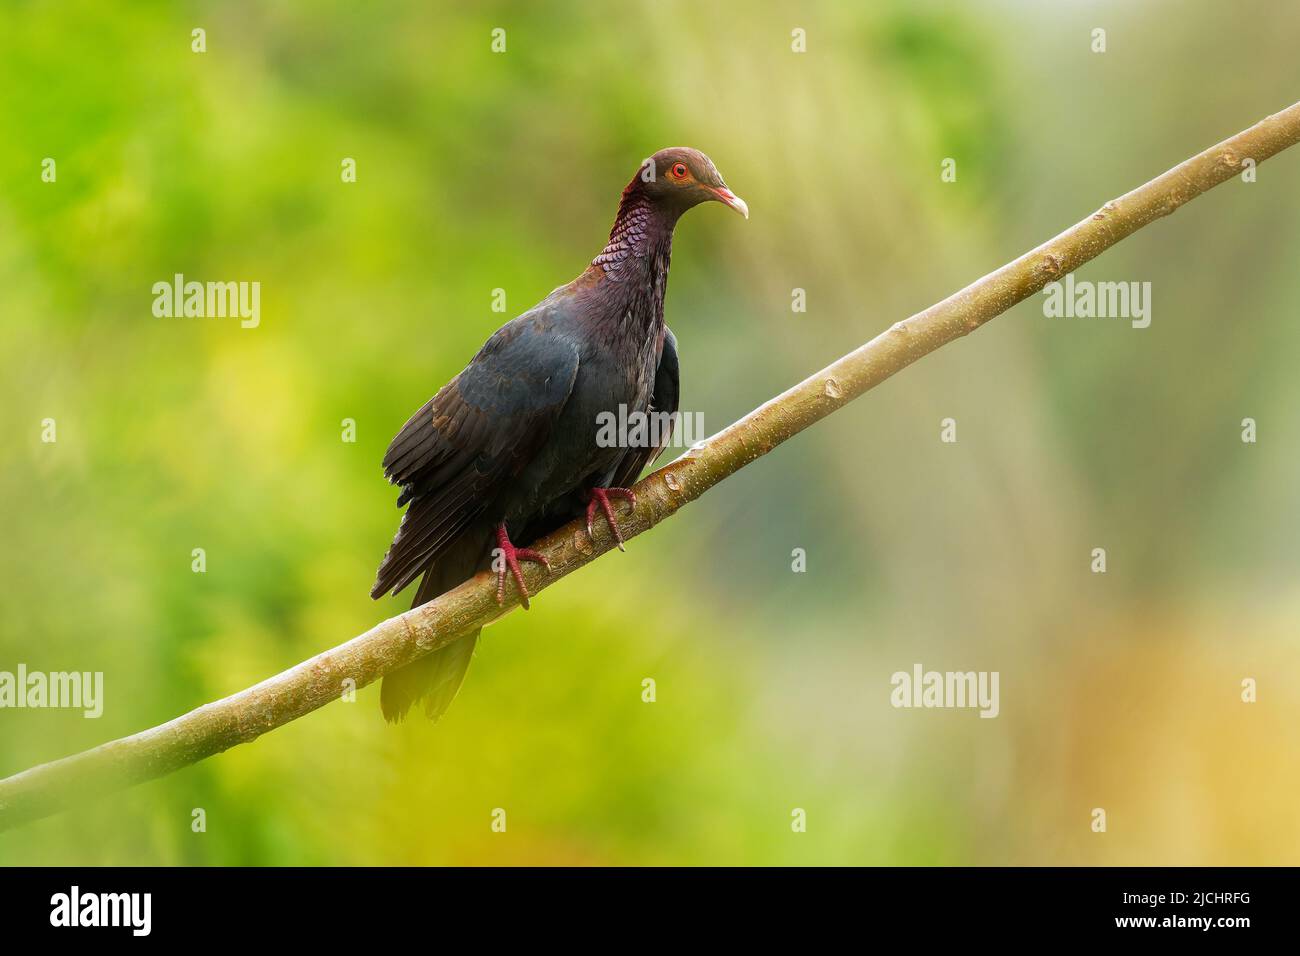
(601, 496)
(511, 556)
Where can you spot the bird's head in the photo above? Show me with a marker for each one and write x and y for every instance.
(680, 177)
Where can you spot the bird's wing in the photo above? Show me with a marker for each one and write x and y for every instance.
(665, 399)
(458, 451)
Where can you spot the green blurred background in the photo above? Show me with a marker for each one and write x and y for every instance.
(479, 171)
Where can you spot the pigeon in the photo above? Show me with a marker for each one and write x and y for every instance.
(510, 449)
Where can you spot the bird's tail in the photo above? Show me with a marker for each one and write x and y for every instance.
(437, 677)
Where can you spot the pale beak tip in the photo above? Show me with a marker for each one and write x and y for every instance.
(729, 198)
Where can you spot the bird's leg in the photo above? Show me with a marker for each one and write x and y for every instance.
(601, 496)
(511, 556)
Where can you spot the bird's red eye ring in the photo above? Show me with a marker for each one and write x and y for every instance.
(678, 171)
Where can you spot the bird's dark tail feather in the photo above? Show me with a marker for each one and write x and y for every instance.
(437, 677)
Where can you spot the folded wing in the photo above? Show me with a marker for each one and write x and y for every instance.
(458, 452)
(663, 401)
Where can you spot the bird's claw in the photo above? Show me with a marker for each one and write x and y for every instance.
(511, 556)
(601, 496)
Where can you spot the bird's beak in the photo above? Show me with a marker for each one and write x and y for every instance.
(728, 198)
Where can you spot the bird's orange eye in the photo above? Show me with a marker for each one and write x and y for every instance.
(678, 171)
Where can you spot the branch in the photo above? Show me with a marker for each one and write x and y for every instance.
(298, 691)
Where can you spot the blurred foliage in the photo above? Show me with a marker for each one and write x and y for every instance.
(479, 170)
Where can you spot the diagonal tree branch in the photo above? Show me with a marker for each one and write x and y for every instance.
(244, 716)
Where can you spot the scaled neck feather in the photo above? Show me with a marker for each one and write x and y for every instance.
(633, 266)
